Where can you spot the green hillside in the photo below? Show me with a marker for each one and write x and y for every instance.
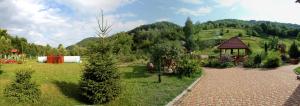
(208, 34)
(83, 43)
(207, 39)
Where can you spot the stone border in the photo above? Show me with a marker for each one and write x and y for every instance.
(184, 92)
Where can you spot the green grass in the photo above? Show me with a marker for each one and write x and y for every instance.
(297, 70)
(59, 85)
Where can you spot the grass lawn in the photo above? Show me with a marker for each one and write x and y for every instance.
(297, 70)
(59, 84)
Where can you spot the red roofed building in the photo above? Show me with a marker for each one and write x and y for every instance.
(14, 50)
(234, 43)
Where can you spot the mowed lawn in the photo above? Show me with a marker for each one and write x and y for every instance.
(59, 84)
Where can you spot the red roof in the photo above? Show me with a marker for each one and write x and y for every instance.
(233, 43)
(14, 50)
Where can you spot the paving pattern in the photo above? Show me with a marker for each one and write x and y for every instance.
(245, 87)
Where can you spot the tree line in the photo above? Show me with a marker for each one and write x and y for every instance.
(8, 42)
(255, 28)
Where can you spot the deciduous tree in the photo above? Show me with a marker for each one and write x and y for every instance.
(61, 50)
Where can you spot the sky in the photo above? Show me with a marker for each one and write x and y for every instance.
(69, 21)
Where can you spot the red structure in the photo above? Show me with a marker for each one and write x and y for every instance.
(14, 51)
(55, 59)
(237, 44)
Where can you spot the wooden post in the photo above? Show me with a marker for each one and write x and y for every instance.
(220, 53)
(238, 52)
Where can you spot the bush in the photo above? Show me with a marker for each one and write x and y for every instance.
(129, 58)
(217, 64)
(226, 65)
(221, 34)
(272, 60)
(22, 89)
(226, 58)
(257, 59)
(254, 61)
(249, 64)
(294, 51)
(240, 34)
(187, 67)
(100, 82)
(284, 58)
(273, 45)
(298, 36)
(227, 31)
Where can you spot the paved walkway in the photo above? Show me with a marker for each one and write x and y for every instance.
(245, 87)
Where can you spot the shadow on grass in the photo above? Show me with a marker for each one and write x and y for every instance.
(294, 99)
(137, 72)
(69, 89)
(1, 72)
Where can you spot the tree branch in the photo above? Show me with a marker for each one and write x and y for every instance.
(103, 27)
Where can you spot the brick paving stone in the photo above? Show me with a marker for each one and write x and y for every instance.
(245, 87)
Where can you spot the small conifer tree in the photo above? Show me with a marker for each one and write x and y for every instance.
(100, 82)
(257, 60)
(23, 89)
(266, 47)
(294, 51)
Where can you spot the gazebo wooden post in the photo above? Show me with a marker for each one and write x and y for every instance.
(220, 53)
(238, 53)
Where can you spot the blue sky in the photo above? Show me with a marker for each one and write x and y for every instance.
(69, 21)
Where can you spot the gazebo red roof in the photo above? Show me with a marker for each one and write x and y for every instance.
(233, 43)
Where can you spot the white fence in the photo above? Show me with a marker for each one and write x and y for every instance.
(72, 59)
(42, 59)
(67, 59)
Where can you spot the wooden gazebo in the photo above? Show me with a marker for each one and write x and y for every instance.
(234, 43)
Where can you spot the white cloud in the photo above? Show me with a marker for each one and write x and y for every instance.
(192, 1)
(198, 12)
(272, 10)
(227, 3)
(92, 6)
(163, 19)
(41, 24)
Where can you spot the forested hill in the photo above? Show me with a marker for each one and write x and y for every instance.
(145, 35)
(83, 43)
(136, 32)
(139, 38)
(8, 42)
